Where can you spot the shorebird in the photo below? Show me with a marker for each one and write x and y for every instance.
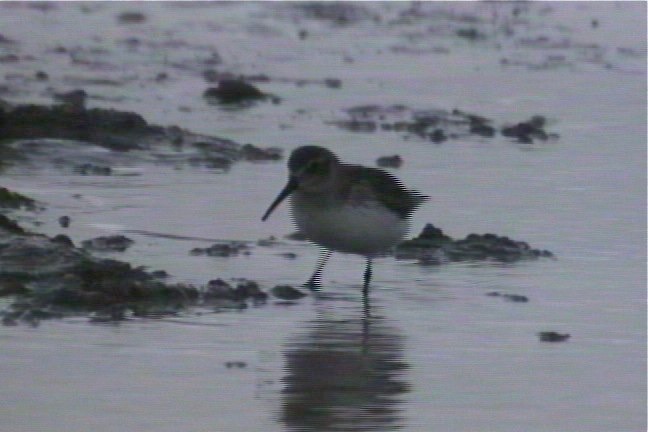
(345, 208)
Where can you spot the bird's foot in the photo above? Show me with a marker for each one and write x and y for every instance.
(313, 285)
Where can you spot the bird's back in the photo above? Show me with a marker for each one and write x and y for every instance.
(375, 184)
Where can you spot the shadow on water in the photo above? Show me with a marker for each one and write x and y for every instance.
(345, 375)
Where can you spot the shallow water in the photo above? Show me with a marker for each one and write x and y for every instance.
(436, 353)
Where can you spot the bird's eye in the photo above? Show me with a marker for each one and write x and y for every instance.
(314, 166)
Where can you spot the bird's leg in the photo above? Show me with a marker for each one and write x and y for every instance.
(314, 281)
(367, 279)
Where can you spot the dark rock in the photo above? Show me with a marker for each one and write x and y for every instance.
(359, 125)
(5, 40)
(432, 246)
(63, 240)
(334, 83)
(232, 91)
(516, 298)
(268, 242)
(394, 161)
(116, 130)
(41, 76)
(551, 336)
(64, 221)
(249, 289)
(160, 274)
(436, 125)
(525, 132)
(338, 13)
(32, 256)
(9, 58)
(482, 130)
(251, 152)
(116, 243)
(91, 169)
(218, 289)
(471, 34)
(131, 18)
(222, 249)
(49, 276)
(286, 292)
(14, 200)
(235, 364)
(102, 283)
(74, 100)
(438, 136)
(430, 237)
(10, 225)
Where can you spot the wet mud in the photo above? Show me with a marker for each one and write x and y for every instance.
(432, 247)
(27, 129)
(55, 272)
(51, 277)
(440, 125)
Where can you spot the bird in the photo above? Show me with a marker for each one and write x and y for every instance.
(345, 208)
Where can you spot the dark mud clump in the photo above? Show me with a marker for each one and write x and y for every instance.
(438, 125)
(515, 298)
(115, 130)
(116, 243)
(10, 226)
(337, 13)
(253, 153)
(119, 131)
(63, 239)
(394, 161)
(286, 292)
(92, 169)
(131, 18)
(226, 249)
(432, 246)
(233, 91)
(50, 277)
(64, 221)
(58, 275)
(552, 336)
(223, 295)
(525, 132)
(14, 200)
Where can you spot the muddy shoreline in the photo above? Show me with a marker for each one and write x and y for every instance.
(51, 277)
(52, 273)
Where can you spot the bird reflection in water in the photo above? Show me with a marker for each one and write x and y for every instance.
(345, 375)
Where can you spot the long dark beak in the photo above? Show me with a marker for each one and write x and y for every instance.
(287, 190)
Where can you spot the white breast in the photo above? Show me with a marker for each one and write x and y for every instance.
(364, 229)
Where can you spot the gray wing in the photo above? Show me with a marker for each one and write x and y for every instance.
(376, 184)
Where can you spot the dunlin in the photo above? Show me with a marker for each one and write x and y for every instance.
(346, 208)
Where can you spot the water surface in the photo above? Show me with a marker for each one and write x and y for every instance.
(436, 352)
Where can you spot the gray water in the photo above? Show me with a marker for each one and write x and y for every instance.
(437, 354)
